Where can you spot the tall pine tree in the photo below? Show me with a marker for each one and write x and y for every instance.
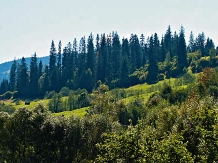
(182, 53)
(13, 76)
(33, 85)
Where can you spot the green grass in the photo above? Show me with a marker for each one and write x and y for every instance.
(21, 103)
(77, 112)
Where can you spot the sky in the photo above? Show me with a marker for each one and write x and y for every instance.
(29, 26)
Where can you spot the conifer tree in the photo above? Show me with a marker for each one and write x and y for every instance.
(53, 67)
(209, 45)
(175, 41)
(22, 78)
(102, 59)
(40, 69)
(200, 41)
(13, 76)
(116, 56)
(82, 56)
(152, 67)
(143, 49)
(168, 40)
(191, 46)
(90, 54)
(33, 85)
(182, 53)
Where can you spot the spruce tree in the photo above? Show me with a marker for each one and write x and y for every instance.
(90, 54)
(191, 46)
(53, 67)
(168, 40)
(143, 49)
(82, 56)
(116, 56)
(22, 79)
(200, 43)
(33, 85)
(175, 41)
(209, 45)
(152, 67)
(182, 53)
(13, 76)
(40, 69)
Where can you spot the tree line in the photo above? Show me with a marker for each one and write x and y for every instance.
(107, 59)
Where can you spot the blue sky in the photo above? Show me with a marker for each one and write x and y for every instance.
(28, 26)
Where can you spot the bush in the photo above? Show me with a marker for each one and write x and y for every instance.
(203, 63)
(153, 100)
(65, 91)
(8, 109)
(49, 95)
(178, 96)
(213, 90)
(188, 78)
(166, 91)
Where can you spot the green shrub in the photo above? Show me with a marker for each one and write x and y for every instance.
(49, 95)
(6, 108)
(203, 63)
(65, 91)
(188, 78)
(178, 96)
(213, 90)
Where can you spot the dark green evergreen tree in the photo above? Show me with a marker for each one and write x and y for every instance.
(53, 67)
(182, 53)
(200, 41)
(168, 41)
(209, 45)
(33, 85)
(102, 59)
(23, 78)
(82, 56)
(191, 46)
(90, 54)
(109, 74)
(175, 41)
(152, 67)
(13, 76)
(40, 69)
(143, 49)
(116, 56)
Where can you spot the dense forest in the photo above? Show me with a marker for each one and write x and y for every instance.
(175, 124)
(112, 61)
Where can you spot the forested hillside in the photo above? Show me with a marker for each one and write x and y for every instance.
(172, 126)
(109, 59)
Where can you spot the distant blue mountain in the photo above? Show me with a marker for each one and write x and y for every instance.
(6, 66)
